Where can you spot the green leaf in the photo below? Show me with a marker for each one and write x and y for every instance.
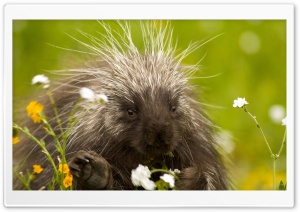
(162, 185)
(164, 165)
(282, 187)
(170, 154)
(50, 186)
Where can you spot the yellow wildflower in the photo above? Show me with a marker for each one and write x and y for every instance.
(68, 180)
(37, 169)
(65, 169)
(15, 139)
(33, 110)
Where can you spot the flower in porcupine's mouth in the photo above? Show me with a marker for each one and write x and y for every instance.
(168, 179)
(140, 177)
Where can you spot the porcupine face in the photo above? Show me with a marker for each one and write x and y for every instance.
(151, 120)
(145, 105)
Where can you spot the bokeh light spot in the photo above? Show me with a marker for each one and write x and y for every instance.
(277, 113)
(249, 42)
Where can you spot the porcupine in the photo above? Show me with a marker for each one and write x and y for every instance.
(150, 112)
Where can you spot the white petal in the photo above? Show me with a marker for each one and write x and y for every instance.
(140, 175)
(235, 103)
(148, 184)
(46, 86)
(177, 171)
(239, 102)
(143, 170)
(102, 97)
(168, 179)
(40, 79)
(135, 178)
(87, 93)
(244, 101)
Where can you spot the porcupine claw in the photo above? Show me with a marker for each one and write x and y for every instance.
(90, 171)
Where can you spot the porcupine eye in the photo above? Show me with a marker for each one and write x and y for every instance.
(173, 108)
(130, 112)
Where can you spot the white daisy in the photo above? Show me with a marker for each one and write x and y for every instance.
(140, 177)
(240, 102)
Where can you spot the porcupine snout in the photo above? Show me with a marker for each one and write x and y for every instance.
(159, 133)
(158, 129)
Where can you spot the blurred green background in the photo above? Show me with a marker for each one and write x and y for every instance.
(249, 59)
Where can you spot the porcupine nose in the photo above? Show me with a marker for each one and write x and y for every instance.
(159, 140)
(161, 135)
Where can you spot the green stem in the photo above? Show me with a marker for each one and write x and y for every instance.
(267, 143)
(55, 112)
(257, 124)
(282, 144)
(275, 157)
(40, 144)
(165, 171)
(274, 173)
(62, 187)
(24, 182)
(52, 133)
(70, 125)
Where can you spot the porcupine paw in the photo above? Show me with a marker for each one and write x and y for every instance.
(90, 171)
(192, 179)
